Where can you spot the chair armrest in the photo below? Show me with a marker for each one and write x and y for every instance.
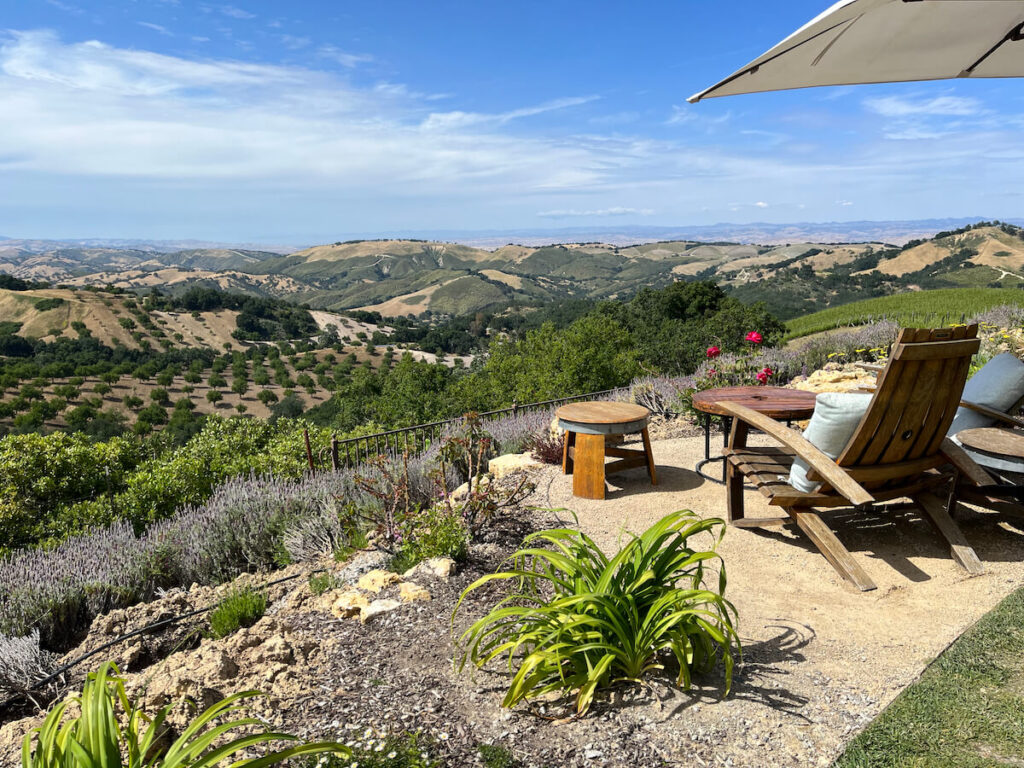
(831, 472)
(875, 367)
(967, 466)
(992, 413)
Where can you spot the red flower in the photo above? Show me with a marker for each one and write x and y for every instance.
(762, 377)
(767, 371)
(712, 372)
(714, 351)
(755, 337)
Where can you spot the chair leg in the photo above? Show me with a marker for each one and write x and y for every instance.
(733, 492)
(938, 515)
(830, 546)
(650, 456)
(567, 445)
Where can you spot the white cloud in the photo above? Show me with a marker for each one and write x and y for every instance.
(760, 204)
(601, 212)
(90, 109)
(156, 28)
(843, 203)
(235, 13)
(896, 106)
(344, 58)
(295, 42)
(450, 120)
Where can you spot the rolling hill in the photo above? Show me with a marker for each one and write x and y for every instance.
(415, 277)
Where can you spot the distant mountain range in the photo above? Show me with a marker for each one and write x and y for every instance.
(894, 232)
(795, 273)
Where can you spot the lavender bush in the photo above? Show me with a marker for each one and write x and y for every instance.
(23, 664)
(513, 434)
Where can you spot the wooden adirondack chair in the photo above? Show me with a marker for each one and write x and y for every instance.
(899, 449)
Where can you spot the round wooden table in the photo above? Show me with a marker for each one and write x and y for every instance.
(994, 442)
(775, 402)
(588, 427)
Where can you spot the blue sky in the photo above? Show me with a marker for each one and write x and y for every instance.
(311, 121)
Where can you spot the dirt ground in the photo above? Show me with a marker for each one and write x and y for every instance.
(822, 658)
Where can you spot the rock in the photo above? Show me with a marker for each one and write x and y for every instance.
(360, 563)
(413, 593)
(482, 482)
(275, 650)
(378, 579)
(376, 608)
(512, 462)
(434, 568)
(836, 378)
(349, 603)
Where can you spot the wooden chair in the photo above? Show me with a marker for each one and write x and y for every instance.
(898, 450)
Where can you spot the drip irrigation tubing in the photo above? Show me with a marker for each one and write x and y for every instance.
(127, 636)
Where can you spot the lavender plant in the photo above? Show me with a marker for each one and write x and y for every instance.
(23, 664)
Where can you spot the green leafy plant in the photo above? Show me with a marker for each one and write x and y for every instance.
(581, 621)
(239, 608)
(102, 737)
(319, 583)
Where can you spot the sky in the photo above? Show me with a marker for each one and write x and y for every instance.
(312, 121)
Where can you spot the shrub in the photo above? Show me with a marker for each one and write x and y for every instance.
(319, 583)
(23, 664)
(107, 725)
(239, 608)
(606, 619)
(435, 532)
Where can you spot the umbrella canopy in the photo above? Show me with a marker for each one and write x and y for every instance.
(885, 41)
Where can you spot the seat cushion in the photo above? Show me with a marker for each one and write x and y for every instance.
(998, 384)
(836, 416)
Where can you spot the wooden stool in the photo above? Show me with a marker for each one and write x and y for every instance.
(592, 431)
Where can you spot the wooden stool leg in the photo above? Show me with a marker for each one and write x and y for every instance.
(588, 474)
(567, 444)
(650, 456)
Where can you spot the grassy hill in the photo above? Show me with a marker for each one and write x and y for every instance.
(415, 277)
(918, 309)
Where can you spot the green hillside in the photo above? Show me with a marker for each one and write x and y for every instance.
(918, 308)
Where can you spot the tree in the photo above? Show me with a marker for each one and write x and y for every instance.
(214, 396)
(267, 396)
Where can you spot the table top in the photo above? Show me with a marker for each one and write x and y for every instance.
(994, 441)
(602, 413)
(774, 402)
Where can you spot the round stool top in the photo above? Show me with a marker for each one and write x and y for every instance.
(774, 402)
(993, 441)
(602, 413)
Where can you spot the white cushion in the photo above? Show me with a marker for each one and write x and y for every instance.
(998, 384)
(836, 416)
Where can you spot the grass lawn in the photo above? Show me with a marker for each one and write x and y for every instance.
(967, 710)
(923, 309)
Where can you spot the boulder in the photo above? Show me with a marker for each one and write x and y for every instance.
(836, 378)
(377, 579)
(413, 593)
(376, 608)
(505, 465)
(349, 603)
(434, 568)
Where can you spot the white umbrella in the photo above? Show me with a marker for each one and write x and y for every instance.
(885, 41)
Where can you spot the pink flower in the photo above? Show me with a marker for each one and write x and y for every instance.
(712, 372)
(755, 337)
(762, 377)
(714, 351)
(767, 371)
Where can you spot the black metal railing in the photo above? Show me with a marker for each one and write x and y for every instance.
(414, 440)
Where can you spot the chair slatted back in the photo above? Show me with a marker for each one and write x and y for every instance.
(914, 403)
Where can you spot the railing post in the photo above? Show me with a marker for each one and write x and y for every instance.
(334, 452)
(309, 450)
